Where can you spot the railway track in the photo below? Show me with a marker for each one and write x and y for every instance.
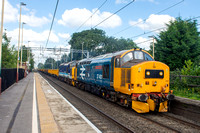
(96, 120)
(164, 122)
(181, 121)
(159, 123)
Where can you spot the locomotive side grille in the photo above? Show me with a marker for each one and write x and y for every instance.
(125, 76)
(128, 76)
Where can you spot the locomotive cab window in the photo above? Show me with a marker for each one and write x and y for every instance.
(138, 55)
(106, 71)
(127, 57)
(148, 57)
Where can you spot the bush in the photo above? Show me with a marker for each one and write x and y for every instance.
(184, 83)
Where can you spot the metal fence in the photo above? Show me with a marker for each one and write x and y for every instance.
(8, 77)
(185, 80)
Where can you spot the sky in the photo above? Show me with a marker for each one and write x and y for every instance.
(133, 21)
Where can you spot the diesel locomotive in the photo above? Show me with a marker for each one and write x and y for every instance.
(132, 78)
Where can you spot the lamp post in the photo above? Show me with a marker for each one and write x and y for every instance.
(153, 43)
(22, 43)
(21, 4)
(1, 34)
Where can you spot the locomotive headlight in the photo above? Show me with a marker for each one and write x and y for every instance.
(148, 73)
(143, 98)
(161, 73)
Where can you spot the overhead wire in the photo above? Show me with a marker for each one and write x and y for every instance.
(114, 13)
(52, 22)
(107, 17)
(160, 28)
(148, 32)
(128, 27)
(91, 15)
(170, 7)
(144, 41)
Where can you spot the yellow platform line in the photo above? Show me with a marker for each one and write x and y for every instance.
(47, 122)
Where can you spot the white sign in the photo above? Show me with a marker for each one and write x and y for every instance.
(82, 70)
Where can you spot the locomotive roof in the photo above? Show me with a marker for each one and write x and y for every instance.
(67, 63)
(101, 57)
(109, 55)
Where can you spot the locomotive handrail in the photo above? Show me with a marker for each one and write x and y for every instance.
(189, 76)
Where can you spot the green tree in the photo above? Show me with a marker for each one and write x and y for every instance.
(57, 64)
(190, 69)
(49, 63)
(178, 43)
(24, 53)
(9, 55)
(97, 43)
(113, 44)
(65, 58)
(25, 56)
(40, 66)
(89, 39)
(31, 60)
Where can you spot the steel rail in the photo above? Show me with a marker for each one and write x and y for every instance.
(160, 124)
(112, 119)
(181, 121)
(94, 108)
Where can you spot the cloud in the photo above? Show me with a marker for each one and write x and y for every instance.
(10, 13)
(34, 21)
(77, 16)
(143, 43)
(37, 39)
(153, 22)
(30, 35)
(63, 35)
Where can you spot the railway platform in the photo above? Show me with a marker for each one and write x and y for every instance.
(33, 105)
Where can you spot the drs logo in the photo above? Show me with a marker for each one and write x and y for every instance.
(99, 76)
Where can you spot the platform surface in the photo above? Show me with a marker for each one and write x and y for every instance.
(33, 105)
